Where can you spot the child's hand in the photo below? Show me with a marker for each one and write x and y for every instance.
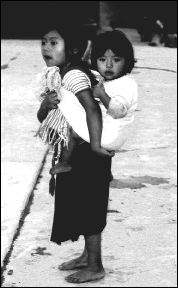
(103, 152)
(50, 101)
(98, 90)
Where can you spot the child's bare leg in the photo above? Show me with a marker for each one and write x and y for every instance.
(94, 270)
(66, 154)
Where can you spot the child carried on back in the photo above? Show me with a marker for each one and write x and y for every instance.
(112, 60)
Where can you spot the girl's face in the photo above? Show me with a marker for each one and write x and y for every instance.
(110, 66)
(53, 49)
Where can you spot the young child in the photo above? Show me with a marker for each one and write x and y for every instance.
(56, 128)
(113, 58)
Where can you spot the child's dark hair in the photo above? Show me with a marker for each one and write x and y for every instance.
(75, 46)
(118, 43)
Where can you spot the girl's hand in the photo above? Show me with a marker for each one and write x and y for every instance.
(50, 101)
(103, 152)
(98, 90)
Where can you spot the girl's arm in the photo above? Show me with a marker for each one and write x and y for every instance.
(94, 121)
(99, 92)
(93, 114)
(50, 102)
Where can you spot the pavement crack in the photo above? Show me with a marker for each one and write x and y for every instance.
(40, 251)
(158, 69)
(21, 223)
(6, 66)
(113, 211)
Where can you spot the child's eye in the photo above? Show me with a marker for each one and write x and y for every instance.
(53, 43)
(43, 42)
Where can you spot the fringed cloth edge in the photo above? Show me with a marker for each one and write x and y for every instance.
(55, 130)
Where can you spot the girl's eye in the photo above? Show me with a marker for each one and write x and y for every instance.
(42, 43)
(117, 59)
(101, 59)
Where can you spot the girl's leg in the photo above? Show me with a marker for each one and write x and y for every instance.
(94, 270)
(93, 247)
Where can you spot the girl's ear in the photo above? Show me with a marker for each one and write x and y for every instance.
(74, 56)
(75, 51)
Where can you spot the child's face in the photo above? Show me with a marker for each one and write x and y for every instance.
(110, 66)
(53, 49)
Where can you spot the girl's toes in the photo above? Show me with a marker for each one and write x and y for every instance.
(72, 278)
(69, 279)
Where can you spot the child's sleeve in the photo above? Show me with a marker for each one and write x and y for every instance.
(76, 81)
(116, 108)
(123, 101)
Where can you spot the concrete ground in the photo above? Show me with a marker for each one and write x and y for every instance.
(21, 153)
(139, 242)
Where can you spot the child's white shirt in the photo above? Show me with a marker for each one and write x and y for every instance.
(120, 113)
(116, 119)
(123, 94)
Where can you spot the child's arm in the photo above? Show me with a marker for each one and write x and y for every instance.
(99, 92)
(94, 121)
(115, 109)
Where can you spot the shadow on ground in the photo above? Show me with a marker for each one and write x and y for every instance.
(134, 182)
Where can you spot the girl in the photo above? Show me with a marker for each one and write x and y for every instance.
(55, 128)
(81, 195)
(84, 191)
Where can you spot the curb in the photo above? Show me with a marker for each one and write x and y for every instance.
(7, 252)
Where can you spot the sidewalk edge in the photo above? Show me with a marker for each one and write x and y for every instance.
(6, 253)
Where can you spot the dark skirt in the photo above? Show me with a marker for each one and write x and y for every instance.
(81, 196)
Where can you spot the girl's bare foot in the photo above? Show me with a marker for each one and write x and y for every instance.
(78, 263)
(60, 168)
(86, 275)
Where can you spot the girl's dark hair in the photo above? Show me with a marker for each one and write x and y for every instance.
(75, 46)
(118, 43)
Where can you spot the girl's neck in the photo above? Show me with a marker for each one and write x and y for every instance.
(64, 68)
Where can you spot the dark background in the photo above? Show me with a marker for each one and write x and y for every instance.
(25, 19)
(129, 13)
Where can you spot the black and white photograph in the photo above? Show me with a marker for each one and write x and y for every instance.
(89, 143)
